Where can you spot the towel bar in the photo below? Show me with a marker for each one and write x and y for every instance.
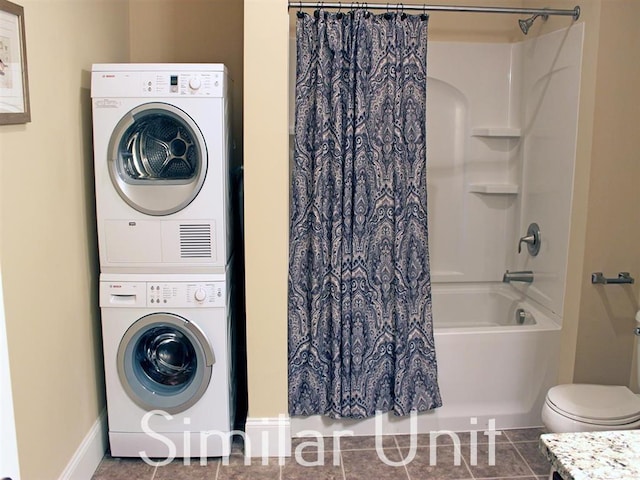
(623, 277)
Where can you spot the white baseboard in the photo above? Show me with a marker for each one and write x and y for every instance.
(89, 454)
(268, 437)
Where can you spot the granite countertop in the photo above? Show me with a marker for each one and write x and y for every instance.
(594, 455)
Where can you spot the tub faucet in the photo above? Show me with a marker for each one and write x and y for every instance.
(525, 276)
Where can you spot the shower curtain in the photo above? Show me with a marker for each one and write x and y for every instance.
(360, 328)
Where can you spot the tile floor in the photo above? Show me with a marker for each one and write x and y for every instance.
(516, 457)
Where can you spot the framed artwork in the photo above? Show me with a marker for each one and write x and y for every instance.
(14, 85)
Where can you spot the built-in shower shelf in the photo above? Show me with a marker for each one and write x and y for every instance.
(504, 132)
(494, 188)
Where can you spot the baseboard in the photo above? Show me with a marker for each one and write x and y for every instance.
(89, 454)
(268, 437)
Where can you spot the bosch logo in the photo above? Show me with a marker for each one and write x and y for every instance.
(107, 103)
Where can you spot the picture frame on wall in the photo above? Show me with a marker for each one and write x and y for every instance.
(14, 85)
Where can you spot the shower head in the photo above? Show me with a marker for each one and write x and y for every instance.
(525, 24)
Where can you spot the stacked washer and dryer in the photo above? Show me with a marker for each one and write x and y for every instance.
(162, 153)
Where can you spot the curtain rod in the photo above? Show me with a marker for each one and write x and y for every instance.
(575, 12)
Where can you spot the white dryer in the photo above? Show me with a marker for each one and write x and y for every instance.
(168, 367)
(161, 152)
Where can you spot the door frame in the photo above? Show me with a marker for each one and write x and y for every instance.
(9, 463)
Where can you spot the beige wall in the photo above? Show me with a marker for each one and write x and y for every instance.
(48, 254)
(266, 45)
(605, 335)
(192, 31)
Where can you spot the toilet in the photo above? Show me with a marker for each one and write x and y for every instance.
(589, 408)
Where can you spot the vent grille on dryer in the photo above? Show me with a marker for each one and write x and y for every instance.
(195, 241)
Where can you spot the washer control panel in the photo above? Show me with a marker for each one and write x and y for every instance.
(186, 294)
(162, 294)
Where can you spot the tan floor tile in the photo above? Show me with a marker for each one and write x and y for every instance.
(524, 434)
(365, 442)
(123, 469)
(367, 465)
(304, 467)
(252, 472)
(439, 463)
(447, 438)
(507, 462)
(178, 470)
(534, 457)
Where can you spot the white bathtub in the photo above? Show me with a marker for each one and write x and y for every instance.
(489, 366)
(478, 306)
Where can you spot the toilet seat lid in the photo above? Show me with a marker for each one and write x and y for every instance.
(600, 403)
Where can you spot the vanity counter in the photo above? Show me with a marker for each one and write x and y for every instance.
(594, 455)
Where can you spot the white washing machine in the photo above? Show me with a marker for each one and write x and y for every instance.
(161, 152)
(168, 367)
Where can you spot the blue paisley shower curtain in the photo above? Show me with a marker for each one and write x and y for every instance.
(360, 328)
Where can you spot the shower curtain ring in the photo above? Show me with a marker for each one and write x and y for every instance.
(424, 15)
(387, 15)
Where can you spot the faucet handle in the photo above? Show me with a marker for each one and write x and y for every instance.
(532, 239)
(528, 239)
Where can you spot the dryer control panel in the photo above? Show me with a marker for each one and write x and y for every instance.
(162, 294)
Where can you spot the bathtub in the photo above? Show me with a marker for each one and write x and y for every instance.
(494, 367)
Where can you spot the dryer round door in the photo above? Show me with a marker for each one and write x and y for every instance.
(165, 362)
(157, 159)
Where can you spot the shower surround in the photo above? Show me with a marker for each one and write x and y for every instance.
(501, 144)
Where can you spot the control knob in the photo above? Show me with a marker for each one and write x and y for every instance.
(194, 83)
(200, 294)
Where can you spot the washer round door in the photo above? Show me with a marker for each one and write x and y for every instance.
(157, 159)
(165, 362)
